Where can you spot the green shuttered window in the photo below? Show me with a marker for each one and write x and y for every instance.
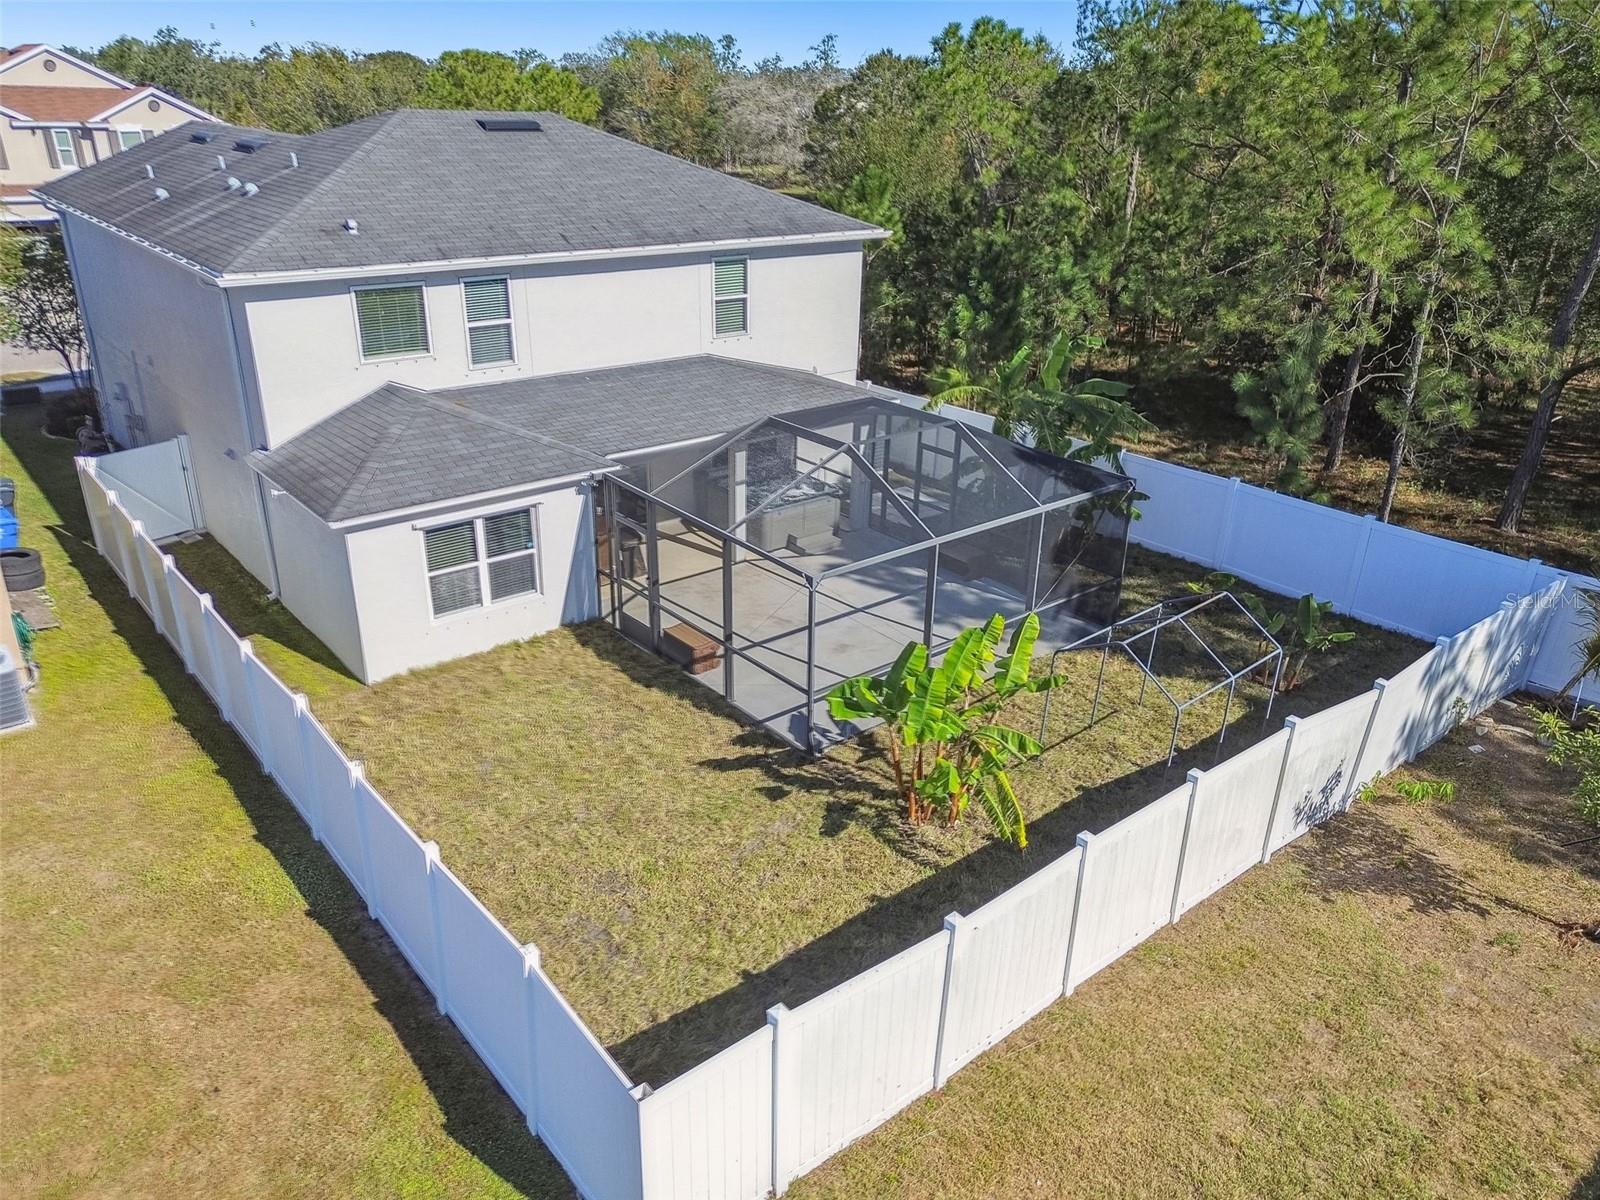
(392, 320)
(488, 305)
(730, 287)
(494, 557)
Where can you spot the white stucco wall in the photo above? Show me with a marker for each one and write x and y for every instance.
(389, 575)
(314, 578)
(160, 343)
(305, 361)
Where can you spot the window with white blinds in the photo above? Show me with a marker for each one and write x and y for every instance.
(486, 560)
(393, 321)
(730, 279)
(489, 336)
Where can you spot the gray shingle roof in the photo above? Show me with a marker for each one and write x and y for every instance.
(423, 186)
(399, 447)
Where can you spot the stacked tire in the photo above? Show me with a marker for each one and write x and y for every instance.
(22, 569)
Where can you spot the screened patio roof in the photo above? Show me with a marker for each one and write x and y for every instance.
(944, 478)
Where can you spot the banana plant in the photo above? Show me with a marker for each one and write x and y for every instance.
(1308, 636)
(948, 743)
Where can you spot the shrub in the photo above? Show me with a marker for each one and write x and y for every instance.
(64, 414)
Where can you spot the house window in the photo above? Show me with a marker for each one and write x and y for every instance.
(392, 320)
(65, 147)
(127, 139)
(494, 557)
(730, 279)
(489, 337)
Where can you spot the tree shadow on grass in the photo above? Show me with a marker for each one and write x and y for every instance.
(1588, 1188)
(1363, 853)
(477, 1114)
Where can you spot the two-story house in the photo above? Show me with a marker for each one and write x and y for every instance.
(403, 350)
(59, 114)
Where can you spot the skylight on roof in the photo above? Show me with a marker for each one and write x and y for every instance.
(509, 124)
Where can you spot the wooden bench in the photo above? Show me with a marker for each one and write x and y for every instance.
(690, 649)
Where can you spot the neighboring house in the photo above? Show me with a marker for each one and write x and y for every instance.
(61, 114)
(403, 350)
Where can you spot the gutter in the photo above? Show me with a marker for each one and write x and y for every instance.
(446, 505)
(257, 278)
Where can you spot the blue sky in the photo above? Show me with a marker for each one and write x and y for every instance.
(785, 27)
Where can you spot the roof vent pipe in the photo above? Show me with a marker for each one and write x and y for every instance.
(294, 159)
(222, 163)
(162, 193)
(350, 225)
(149, 170)
(250, 189)
(233, 182)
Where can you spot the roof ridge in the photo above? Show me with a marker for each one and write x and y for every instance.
(368, 471)
(379, 121)
(472, 414)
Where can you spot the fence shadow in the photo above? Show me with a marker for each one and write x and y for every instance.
(477, 1114)
(243, 603)
(893, 922)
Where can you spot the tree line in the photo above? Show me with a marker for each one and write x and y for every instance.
(1373, 217)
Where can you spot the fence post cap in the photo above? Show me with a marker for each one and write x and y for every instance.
(245, 648)
(1085, 837)
(640, 1091)
(954, 921)
(301, 704)
(1441, 641)
(205, 600)
(1380, 685)
(777, 1013)
(1195, 775)
(1369, 516)
(358, 769)
(1292, 723)
(530, 955)
(430, 850)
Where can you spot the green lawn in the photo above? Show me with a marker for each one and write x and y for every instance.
(680, 872)
(195, 1002)
(1385, 1010)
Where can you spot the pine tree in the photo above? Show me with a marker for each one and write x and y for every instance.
(1284, 406)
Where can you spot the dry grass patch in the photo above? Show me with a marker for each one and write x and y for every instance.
(1384, 1010)
(680, 872)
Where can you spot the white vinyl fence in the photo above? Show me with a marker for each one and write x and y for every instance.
(792, 1093)
(1386, 575)
(155, 485)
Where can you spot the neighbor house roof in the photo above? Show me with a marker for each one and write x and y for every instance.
(79, 105)
(400, 447)
(423, 186)
(68, 104)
